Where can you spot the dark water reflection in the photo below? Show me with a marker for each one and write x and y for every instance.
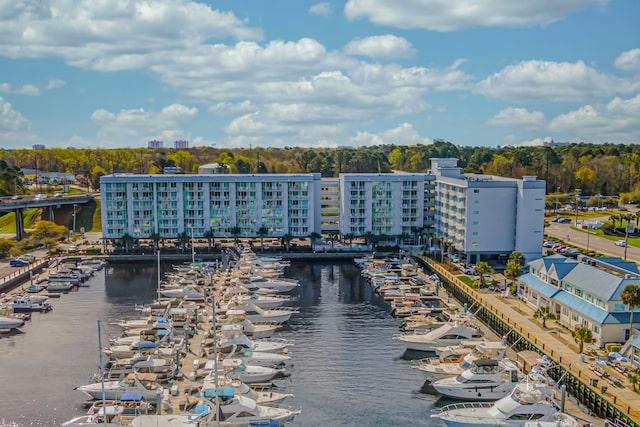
(348, 371)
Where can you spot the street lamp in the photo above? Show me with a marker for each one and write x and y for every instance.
(557, 191)
(74, 218)
(588, 234)
(577, 206)
(626, 240)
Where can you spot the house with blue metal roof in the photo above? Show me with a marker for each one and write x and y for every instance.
(583, 292)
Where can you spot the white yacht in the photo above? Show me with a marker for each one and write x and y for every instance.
(485, 380)
(442, 367)
(145, 384)
(234, 408)
(527, 402)
(8, 323)
(445, 335)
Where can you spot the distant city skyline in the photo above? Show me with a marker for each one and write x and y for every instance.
(351, 73)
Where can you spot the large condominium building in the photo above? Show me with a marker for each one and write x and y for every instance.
(480, 215)
(168, 205)
(484, 215)
(391, 204)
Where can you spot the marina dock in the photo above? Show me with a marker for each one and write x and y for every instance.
(511, 316)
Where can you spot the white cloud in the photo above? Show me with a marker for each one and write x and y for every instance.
(518, 117)
(108, 35)
(31, 89)
(385, 46)
(55, 84)
(139, 125)
(11, 120)
(322, 8)
(616, 121)
(629, 61)
(231, 107)
(28, 89)
(403, 134)
(535, 142)
(451, 15)
(553, 81)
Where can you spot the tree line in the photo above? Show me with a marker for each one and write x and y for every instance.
(608, 169)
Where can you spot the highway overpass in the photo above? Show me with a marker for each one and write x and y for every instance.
(25, 202)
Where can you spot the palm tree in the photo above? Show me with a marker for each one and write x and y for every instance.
(333, 237)
(441, 250)
(634, 377)
(155, 238)
(262, 232)
(126, 240)
(286, 239)
(544, 313)
(368, 238)
(582, 335)
(182, 239)
(450, 249)
(432, 243)
(350, 237)
(614, 218)
(235, 232)
(513, 270)
(518, 257)
(483, 268)
(210, 236)
(631, 296)
(313, 237)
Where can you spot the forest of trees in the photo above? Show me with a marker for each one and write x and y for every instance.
(608, 169)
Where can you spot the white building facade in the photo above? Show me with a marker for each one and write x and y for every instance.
(391, 204)
(142, 205)
(484, 215)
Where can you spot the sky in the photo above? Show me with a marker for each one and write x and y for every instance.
(283, 73)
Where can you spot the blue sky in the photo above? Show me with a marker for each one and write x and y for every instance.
(117, 73)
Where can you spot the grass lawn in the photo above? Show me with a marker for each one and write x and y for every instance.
(8, 220)
(632, 241)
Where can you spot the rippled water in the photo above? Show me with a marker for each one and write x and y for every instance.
(347, 369)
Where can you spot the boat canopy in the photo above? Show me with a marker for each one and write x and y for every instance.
(147, 344)
(162, 320)
(202, 409)
(223, 392)
(131, 397)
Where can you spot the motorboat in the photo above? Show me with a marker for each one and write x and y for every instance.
(64, 277)
(281, 285)
(442, 367)
(7, 323)
(185, 292)
(262, 397)
(24, 304)
(485, 380)
(60, 286)
(259, 315)
(233, 336)
(238, 409)
(445, 335)
(94, 264)
(249, 374)
(145, 384)
(34, 289)
(529, 401)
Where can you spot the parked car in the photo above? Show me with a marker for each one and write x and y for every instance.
(17, 262)
(622, 243)
(564, 220)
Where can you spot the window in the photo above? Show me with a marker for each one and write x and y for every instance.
(476, 212)
(619, 307)
(476, 191)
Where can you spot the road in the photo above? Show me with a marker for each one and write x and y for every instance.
(590, 241)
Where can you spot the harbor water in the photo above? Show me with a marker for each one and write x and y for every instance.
(347, 370)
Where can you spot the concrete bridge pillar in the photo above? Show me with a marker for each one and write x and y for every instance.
(51, 214)
(19, 224)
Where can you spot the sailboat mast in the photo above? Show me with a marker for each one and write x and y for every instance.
(215, 353)
(158, 275)
(193, 249)
(104, 405)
